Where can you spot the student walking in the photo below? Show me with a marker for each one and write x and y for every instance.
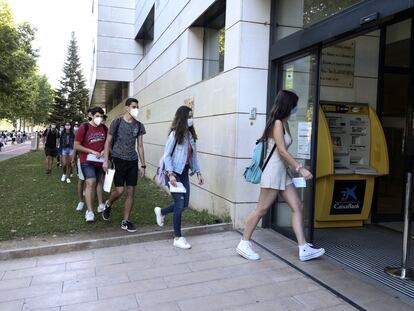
(90, 143)
(275, 179)
(50, 141)
(180, 156)
(66, 151)
(125, 136)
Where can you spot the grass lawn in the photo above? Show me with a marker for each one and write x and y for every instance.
(33, 203)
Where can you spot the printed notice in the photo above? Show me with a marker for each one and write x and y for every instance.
(304, 140)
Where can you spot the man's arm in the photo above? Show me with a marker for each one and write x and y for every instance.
(108, 142)
(80, 148)
(141, 155)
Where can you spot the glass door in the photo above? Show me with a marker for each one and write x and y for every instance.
(299, 75)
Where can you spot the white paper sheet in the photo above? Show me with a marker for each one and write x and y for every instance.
(179, 189)
(299, 182)
(109, 177)
(93, 158)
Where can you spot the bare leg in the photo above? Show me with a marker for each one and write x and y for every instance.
(90, 193)
(49, 162)
(63, 162)
(99, 191)
(266, 199)
(290, 195)
(81, 184)
(115, 195)
(129, 202)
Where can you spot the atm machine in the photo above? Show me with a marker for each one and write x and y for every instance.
(351, 153)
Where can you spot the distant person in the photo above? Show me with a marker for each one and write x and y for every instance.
(125, 137)
(90, 143)
(67, 139)
(51, 143)
(180, 156)
(13, 136)
(275, 179)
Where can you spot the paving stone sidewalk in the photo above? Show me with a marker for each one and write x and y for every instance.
(156, 276)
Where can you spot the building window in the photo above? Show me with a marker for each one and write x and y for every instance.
(146, 33)
(213, 21)
(213, 53)
(292, 16)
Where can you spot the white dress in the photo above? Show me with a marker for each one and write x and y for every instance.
(275, 175)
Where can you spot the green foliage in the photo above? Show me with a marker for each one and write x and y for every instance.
(71, 98)
(19, 80)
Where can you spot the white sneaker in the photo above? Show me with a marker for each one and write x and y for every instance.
(80, 206)
(159, 216)
(68, 180)
(181, 242)
(245, 250)
(101, 207)
(308, 252)
(89, 216)
(63, 177)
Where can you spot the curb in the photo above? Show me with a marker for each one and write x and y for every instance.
(109, 242)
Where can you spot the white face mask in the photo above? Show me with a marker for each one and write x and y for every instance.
(97, 120)
(190, 122)
(53, 126)
(134, 112)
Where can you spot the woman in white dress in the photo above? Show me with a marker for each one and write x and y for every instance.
(275, 179)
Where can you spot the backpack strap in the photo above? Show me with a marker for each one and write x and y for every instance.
(268, 158)
(86, 128)
(115, 135)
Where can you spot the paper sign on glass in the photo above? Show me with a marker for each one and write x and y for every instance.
(299, 182)
(179, 189)
(93, 158)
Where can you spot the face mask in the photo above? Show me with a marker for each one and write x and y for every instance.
(190, 122)
(67, 127)
(53, 126)
(294, 110)
(97, 120)
(75, 129)
(134, 112)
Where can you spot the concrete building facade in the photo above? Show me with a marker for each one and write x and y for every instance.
(212, 55)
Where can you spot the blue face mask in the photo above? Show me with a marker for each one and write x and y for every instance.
(294, 110)
(190, 122)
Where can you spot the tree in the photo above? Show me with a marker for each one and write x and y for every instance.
(17, 65)
(44, 101)
(71, 98)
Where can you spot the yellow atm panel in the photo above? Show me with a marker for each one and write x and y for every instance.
(351, 152)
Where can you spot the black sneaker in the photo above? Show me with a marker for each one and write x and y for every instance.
(106, 212)
(128, 226)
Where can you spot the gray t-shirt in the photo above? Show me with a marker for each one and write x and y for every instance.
(125, 140)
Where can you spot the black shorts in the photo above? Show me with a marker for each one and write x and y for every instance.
(51, 152)
(126, 172)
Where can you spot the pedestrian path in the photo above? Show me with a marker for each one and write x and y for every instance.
(156, 276)
(11, 151)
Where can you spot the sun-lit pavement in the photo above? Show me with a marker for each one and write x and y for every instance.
(11, 151)
(156, 276)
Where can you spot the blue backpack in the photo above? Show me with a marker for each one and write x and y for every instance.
(253, 173)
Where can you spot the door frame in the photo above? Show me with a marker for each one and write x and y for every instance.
(342, 26)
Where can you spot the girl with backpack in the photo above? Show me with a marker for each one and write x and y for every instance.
(67, 139)
(180, 157)
(275, 179)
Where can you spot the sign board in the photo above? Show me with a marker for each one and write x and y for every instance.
(348, 197)
(304, 140)
(337, 65)
(289, 78)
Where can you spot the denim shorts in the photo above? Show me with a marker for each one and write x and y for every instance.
(67, 152)
(92, 171)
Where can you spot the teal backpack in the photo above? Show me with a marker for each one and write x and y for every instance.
(253, 173)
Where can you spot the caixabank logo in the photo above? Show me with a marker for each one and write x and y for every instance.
(348, 197)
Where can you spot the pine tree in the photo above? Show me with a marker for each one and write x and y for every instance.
(71, 98)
